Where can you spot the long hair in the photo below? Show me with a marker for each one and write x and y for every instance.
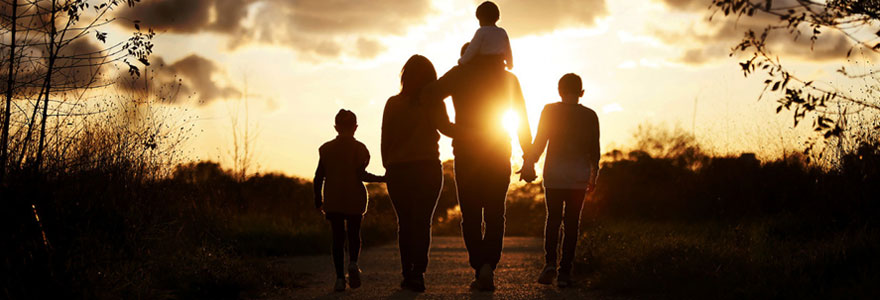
(415, 75)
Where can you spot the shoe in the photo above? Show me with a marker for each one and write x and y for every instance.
(340, 285)
(354, 275)
(475, 285)
(486, 279)
(547, 275)
(564, 280)
(416, 283)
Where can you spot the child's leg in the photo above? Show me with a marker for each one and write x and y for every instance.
(338, 227)
(354, 238)
(574, 201)
(553, 201)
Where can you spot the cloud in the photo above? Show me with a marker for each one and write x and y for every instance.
(688, 5)
(192, 76)
(707, 41)
(535, 17)
(328, 28)
(78, 65)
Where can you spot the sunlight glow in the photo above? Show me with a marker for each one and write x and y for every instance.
(510, 122)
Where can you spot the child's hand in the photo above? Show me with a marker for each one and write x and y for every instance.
(527, 173)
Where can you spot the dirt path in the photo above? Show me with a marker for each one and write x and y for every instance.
(447, 277)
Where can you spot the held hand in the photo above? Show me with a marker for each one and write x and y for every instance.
(527, 173)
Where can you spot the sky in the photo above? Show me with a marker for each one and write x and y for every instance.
(296, 63)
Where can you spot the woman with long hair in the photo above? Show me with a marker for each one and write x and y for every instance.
(411, 156)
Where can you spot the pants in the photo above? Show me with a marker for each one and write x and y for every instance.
(414, 189)
(338, 224)
(573, 201)
(482, 182)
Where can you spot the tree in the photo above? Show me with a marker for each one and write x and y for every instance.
(58, 53)
(829, 104)
(244, 137)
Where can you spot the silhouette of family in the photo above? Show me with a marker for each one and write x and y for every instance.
(481, 91)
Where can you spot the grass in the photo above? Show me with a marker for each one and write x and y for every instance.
(782, 257)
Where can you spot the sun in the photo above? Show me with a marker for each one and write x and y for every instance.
(510, 121)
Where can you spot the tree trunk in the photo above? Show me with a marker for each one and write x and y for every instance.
(10, 83)
(53, 53)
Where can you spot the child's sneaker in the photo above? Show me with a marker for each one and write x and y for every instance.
(417, 283)
(547, 275)
(354, 275)
(486, 278)
(564, 280)
(340, 285)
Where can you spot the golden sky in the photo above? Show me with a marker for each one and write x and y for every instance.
(642, 61)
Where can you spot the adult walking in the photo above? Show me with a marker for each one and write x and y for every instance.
(482, 91)
(411, 156)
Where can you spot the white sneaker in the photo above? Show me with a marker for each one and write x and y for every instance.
(547, 275)
(340, 285)
(354, 275)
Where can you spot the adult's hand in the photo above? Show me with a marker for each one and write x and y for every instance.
(527, 173)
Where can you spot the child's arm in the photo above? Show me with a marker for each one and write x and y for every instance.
(473, 48)
(370, 177)
(362, 172)
(318, 184)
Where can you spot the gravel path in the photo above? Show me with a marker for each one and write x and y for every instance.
(448, 274)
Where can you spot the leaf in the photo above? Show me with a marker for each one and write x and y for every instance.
(876, 47)
(778, 109)
(776, 86)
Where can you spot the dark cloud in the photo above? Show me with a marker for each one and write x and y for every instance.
(688, 4)
(199, 70)
(326, 28)
(521, 17)
(190, 77)
(725, 32)
(78, 65)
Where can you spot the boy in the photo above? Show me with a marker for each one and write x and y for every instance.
(342, 163)
(570, 171)
(490, 42)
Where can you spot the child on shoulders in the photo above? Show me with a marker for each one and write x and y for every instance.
(490, 43)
